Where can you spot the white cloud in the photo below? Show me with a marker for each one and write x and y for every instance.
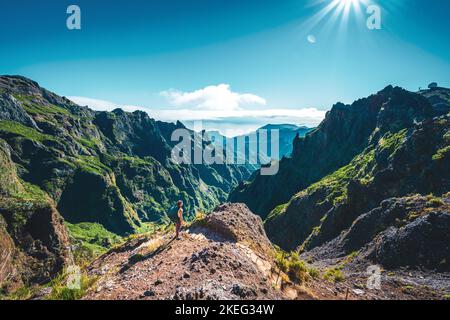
(241, 121)
(218, 97)
(103, 105)
(307, 115)
(228, 120)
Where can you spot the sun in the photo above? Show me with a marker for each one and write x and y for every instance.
(335, 12)
(346, 5)
(349, 2)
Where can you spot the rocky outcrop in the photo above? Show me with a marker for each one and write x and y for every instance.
(225, 256)
(102, 203)
(439, 99)
(423, 242)
(406, 232)
(236, 222)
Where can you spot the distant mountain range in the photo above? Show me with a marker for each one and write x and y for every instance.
(286, 132)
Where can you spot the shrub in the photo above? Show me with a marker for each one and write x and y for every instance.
(23, 293)
(334, 274)
(60, 291)
(281, 261)
(441, 153)
(435, 202)
(297, 269)
(278, 211)
(313, 272)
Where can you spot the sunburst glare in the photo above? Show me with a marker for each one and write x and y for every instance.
(336, 9)
(335, 12)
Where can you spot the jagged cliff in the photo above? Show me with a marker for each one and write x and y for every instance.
(344, 133)
(33, 240)
(392, 144)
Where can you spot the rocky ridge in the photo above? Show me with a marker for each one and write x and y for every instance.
(225, 256)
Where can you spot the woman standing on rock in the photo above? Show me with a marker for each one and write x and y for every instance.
(176, 215)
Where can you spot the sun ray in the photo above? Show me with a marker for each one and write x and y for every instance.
(342, 9)
(312, 22)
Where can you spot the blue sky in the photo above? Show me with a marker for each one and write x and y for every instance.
(233, 64)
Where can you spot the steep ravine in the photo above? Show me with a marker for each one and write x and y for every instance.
(107, 171)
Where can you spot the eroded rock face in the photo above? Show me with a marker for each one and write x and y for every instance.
(102, 202)
(402, 232)
(10, 109)
(236, 222)
(388, 214)
(33, 240)
(7, 254)
(424, 242)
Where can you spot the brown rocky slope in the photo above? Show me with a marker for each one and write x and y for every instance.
(225, 256)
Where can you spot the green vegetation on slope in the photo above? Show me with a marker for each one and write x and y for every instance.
(90, 240)
(91, 143)
(336, 183)
(27, 102)
(23, 131)
(60, 290)
(360, 168)
(297, 270)
(92, 164)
